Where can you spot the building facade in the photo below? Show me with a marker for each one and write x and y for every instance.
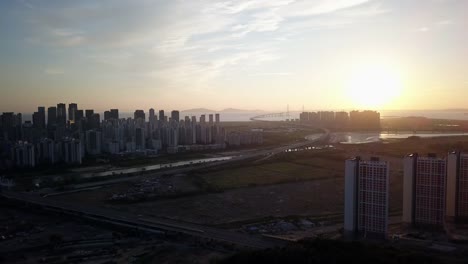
(457, 187)
(424, 186)
(366, 198)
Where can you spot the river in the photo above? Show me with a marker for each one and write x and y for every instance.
(369, 137)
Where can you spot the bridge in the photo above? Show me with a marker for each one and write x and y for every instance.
(283, 115)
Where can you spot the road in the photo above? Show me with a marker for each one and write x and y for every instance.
(150, 224)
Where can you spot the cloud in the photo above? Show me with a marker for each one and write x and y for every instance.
(272, 74)
(261, 22)
(308, 8)
(182, 43)
(53, 71)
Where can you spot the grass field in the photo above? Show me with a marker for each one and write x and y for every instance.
(307, 168)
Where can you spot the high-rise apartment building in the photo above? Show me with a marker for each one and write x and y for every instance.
(151, 115)
(139, 114)
(10, 126)
(107, 115)
(61, 114)
(140, 139)
(93, 142)
(71, 151)
(89, 113)
(161, 115)
(95, 121)
(46, 151)
(114, 113)
(175, 115)
(51, 116)
(42, 116)
(39, 118)
(366, 197)
(424, 181)
(79, 114)
(457, 187)
(24, 155)
(72, 108)
(210, 119)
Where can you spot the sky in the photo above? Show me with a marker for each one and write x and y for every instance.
(249, 54)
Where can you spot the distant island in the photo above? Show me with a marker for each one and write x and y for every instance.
(198, 110)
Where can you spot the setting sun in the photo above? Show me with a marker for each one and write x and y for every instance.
(374, 86)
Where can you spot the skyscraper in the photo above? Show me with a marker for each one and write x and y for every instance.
(61, 114)
(161, 115)
(95, 121)
(424, 190)
(217, 118)
(51, 116)
(152, 123)
(151, 115)
(39, 118)
(139, 114)
(89, 113)
(457, 187)
(114, 113)
(210, 119)
(78, 115)
(9, 122)
(107, 115)
(175, 115)
(140, 139)
(93, 142)
(366, 197)
(42, 116)
(72, 108)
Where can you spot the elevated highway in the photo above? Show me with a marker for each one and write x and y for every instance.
(146, 224)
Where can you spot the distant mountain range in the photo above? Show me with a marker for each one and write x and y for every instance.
(227, 110)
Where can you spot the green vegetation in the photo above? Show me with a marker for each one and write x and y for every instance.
(298, 167)
(399, 148)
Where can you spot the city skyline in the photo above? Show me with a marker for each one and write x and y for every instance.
(258, 54)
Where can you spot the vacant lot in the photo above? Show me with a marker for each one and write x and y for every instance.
(308, 183)
(271, 173)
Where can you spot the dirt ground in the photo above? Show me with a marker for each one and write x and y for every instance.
(291, 184)
(30, 236)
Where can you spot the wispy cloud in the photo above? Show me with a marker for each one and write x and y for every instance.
(272, 74)
(184, 43)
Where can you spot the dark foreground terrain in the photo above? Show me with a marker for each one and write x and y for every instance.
(335, 251)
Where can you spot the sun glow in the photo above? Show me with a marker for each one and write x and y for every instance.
(374, 87)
